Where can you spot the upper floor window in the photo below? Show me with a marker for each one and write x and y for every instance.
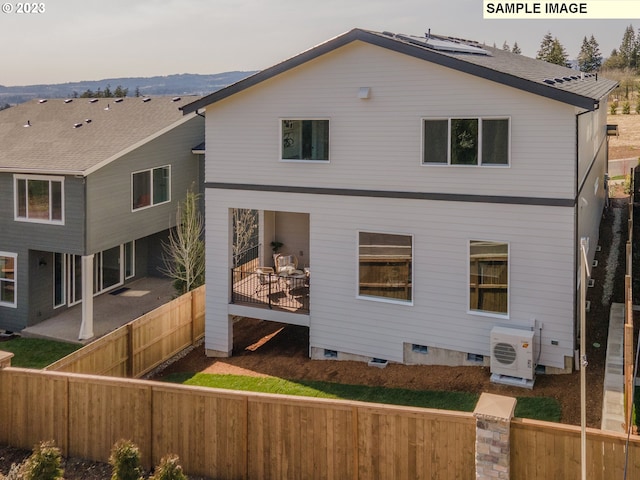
(39, 198)
(466, 141)
(151, 187)
(489, 277)
(385, 266)
(305, 140)
(8, 279)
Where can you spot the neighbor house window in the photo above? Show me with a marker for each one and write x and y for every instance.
(385, 266)
(39, 199)
(305, 139)
(489, 277)
(466, 141)
(151, 187)
(8, 279)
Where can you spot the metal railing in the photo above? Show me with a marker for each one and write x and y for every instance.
(289, 293)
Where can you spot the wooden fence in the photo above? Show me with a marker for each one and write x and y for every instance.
(628, 353)
(234, 435)
(141, 345)
(242, 435)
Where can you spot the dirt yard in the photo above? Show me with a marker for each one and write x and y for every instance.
(627, 144)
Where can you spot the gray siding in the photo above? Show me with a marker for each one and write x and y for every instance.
(24, 237)
(110, 219)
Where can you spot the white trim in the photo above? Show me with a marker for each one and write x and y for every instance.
(151, 170)
(133, 259)
(485, 313)
(50, 179)
(14, 304)
(64, 280)
(480, 120)
(375, 298)
(302, 160)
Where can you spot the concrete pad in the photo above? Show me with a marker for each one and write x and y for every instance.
(110, 311)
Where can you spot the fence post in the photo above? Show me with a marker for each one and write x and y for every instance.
(493, 415)
(130, 349)
(5, 359)
(193, 318)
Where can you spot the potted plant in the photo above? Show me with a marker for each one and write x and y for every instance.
(276, 245)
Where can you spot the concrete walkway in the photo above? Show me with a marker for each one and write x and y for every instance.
(613, 395)
(110, 311)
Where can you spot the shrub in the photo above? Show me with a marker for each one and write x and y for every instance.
(613, 107)
(125, 460)
(15, 473)
(626, 108)
(169, 469)
(44, 463)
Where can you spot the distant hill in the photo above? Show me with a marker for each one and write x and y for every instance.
(181, 84)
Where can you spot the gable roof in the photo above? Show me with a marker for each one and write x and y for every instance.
(78, 136)
(524, 73)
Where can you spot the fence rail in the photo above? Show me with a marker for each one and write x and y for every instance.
(141, 345)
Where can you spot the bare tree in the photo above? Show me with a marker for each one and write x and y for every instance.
(245, 228)
(184, 255)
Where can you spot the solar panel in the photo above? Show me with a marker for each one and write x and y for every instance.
(444, 44)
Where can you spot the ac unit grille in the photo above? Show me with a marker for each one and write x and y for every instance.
(504, 353)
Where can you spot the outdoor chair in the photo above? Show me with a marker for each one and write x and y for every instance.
(266, 276)
(285, 263)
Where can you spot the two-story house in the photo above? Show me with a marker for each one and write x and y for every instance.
(89, 189)
(433, 188)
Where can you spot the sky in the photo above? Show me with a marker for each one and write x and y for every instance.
(78, 40)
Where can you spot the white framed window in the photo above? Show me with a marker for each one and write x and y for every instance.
(489, 277)
(304, 140)
(150, 187)
(39, 199)
(385, 266)
(474, 141)
(8, 279)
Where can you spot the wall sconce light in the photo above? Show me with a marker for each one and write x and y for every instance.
(364, 92)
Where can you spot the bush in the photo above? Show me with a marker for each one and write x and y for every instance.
(169, 469)
(626, 108)
(44, 463)
(613, 107)
(125, 460)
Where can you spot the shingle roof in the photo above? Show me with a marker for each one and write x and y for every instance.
(79, 136)
(499, 66)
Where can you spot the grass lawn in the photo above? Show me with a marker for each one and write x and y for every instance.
(36, 352)
(539, 408)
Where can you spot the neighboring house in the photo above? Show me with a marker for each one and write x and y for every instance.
(89, 190)
(434, 188)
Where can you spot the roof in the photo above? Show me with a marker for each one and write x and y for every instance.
(535, 76)
(78, 136)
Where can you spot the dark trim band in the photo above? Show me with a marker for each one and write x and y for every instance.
(444, 197)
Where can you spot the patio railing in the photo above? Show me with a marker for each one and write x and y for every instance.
(272, 291)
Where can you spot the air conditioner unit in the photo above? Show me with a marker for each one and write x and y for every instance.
(512, 354)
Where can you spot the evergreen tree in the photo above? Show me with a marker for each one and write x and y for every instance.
(614, 61)
(516, 48)
(505, 46)
(545, 47)
(120, 92)
(589, 58)
(552, 51)
(628, 50)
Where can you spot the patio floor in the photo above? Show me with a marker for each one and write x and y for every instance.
(110, 311)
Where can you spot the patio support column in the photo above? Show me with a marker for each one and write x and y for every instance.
(493, 451)
(86, 328)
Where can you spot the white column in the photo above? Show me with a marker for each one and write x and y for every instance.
(86, 329)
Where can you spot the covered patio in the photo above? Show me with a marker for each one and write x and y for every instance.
(110, 311)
